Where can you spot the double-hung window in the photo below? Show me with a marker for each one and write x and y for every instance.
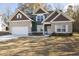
(60, 28)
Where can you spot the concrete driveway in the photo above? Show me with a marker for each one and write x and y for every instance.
(8, 37)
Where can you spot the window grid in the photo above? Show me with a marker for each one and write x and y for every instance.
(39, 18)
(61, 28)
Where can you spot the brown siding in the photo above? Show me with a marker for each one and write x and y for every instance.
(61, 18)
(23, 17)
(40, 11)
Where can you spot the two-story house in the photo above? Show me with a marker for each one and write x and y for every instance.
(40, 21)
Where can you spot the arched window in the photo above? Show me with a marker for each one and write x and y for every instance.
(19, 16)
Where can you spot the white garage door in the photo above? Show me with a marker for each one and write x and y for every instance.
(20, 30)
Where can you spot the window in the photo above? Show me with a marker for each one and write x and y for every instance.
(61, 28)
(40, 18)
(19, 16)
(58, 30)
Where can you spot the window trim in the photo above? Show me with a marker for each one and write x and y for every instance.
(19, 16)
(61, 28)
(40, 16)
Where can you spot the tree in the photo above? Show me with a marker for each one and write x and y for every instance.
(31, 7)
(76, 18)
(48, 7)
(73, 11)
(7, 14)
(58, 6)
(70, 11)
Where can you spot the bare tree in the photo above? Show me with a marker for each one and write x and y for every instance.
(33, 6)
(8, 12)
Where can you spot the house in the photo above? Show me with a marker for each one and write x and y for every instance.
(3, 25)
(20, 23)
(40, 21)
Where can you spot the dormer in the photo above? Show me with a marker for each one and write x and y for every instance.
(40, 14)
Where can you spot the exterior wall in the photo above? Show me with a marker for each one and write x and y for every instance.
(21, 23)
(39, 28)
(59, 23)
(62, 23)
(47, 28)
(4, 28)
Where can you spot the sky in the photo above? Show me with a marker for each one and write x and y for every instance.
(58, 5)
(4, 6)
(13, 6)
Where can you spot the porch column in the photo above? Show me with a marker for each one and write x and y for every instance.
(43, 30)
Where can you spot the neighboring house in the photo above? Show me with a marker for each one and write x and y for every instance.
(20, 23)
(40, 21)
(3, 25)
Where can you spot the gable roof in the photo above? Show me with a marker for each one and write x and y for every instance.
(41, 10)
(19, 11)
(62, 17)
(57, 16)
(51, 16)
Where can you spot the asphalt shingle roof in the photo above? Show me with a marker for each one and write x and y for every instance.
(53, 15)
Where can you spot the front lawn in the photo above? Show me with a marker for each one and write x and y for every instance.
(37, 46)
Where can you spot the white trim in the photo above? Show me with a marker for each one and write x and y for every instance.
(50, 15)
(42, 9)
(46, 23)
(19, 20)
(68, 17)
(21, 12)
(19, 15)
(55, 17)
(71, 20)
(61, 21)
(40, 15)
(66, 28)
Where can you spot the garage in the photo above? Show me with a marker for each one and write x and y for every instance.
(20, 30)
